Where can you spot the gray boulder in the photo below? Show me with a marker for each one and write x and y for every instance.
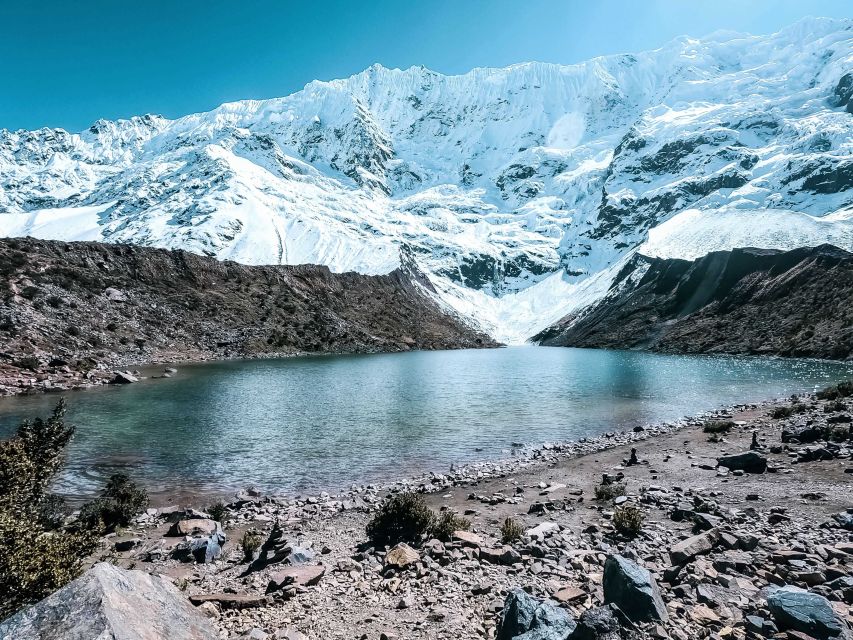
(526, 618)
(111, 603)
(203, 550)
(844, 520)
(632, 589)
(749, 461)
(604, 623)
(800, 610)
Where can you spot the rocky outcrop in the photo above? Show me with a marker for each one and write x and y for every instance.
(108, 602)
(633, 589)
(526, 618)
(71, 311)
(749, 301)
(804, 611)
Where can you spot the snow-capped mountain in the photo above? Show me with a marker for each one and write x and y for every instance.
(520, 191)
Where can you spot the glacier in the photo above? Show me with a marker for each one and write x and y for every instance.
(519, 191)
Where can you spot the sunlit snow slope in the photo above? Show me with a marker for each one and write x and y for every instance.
(517, 190)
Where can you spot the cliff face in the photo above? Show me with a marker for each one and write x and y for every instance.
(75, 310)
(749, 301)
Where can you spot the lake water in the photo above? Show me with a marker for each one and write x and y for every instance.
(305, 424)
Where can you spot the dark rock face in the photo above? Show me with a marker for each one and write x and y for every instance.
(108, 602)
(749, 461)
(800, 610)
(87, 304)
(632, 589)
(604, 623)
(749, 301)
(526, 618)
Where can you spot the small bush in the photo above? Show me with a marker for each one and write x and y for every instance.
(787, 411)
(609, 491)
(251, 543)
(73, 330)
(718, 426)
(511, 531)
(217, 511)
(833, 392)
(404, 517)
(28, 362)
(447, 523)
(29, 292)
(834, 407)
(54, 301)
(120, 501)
(628, 520)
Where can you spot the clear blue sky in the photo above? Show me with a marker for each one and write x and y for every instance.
(66, 63)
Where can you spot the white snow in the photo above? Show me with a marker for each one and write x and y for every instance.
(517, 190)
(694, 233)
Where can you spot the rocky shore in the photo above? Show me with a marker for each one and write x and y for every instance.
(74, 314)
(745, 533)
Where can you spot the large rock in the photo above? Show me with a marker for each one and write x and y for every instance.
(123, 377)
(203, 550)
(604, 623)
(749, 461)
(108, 603)
(685, 550)
(303, 576)
(194, 527)
(632, 589)
(526, 618)
(800, 610)
(401, 556)
(505, 555)
(844, 520)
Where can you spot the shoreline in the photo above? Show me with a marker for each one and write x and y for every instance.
(550, 492)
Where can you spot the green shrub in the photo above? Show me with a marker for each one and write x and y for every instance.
(833, 392)
(28, 362)
(608, 491)
(217, 511)
(36, 557)
(120, 501)
(718, 426)
(833, 407)
(628, 520)
(447, 523)
(511, 531)
(404, 517)
(251, 544)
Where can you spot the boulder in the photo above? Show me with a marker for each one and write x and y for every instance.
(203, 550)
(604, 623)
(688, 549)
(304, 576)
(542, 530)
(467, 539)
(194, 527)
(401, 556)
(844, 520)
(526, 618)
(632, 589)
(123, 377)
(109, 602)
(505, 555)
(749, 461)
(800, 610)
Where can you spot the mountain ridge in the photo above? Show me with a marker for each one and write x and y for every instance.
(743, 301)
(512, 188)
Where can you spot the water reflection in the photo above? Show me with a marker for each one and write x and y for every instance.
(326, 422)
